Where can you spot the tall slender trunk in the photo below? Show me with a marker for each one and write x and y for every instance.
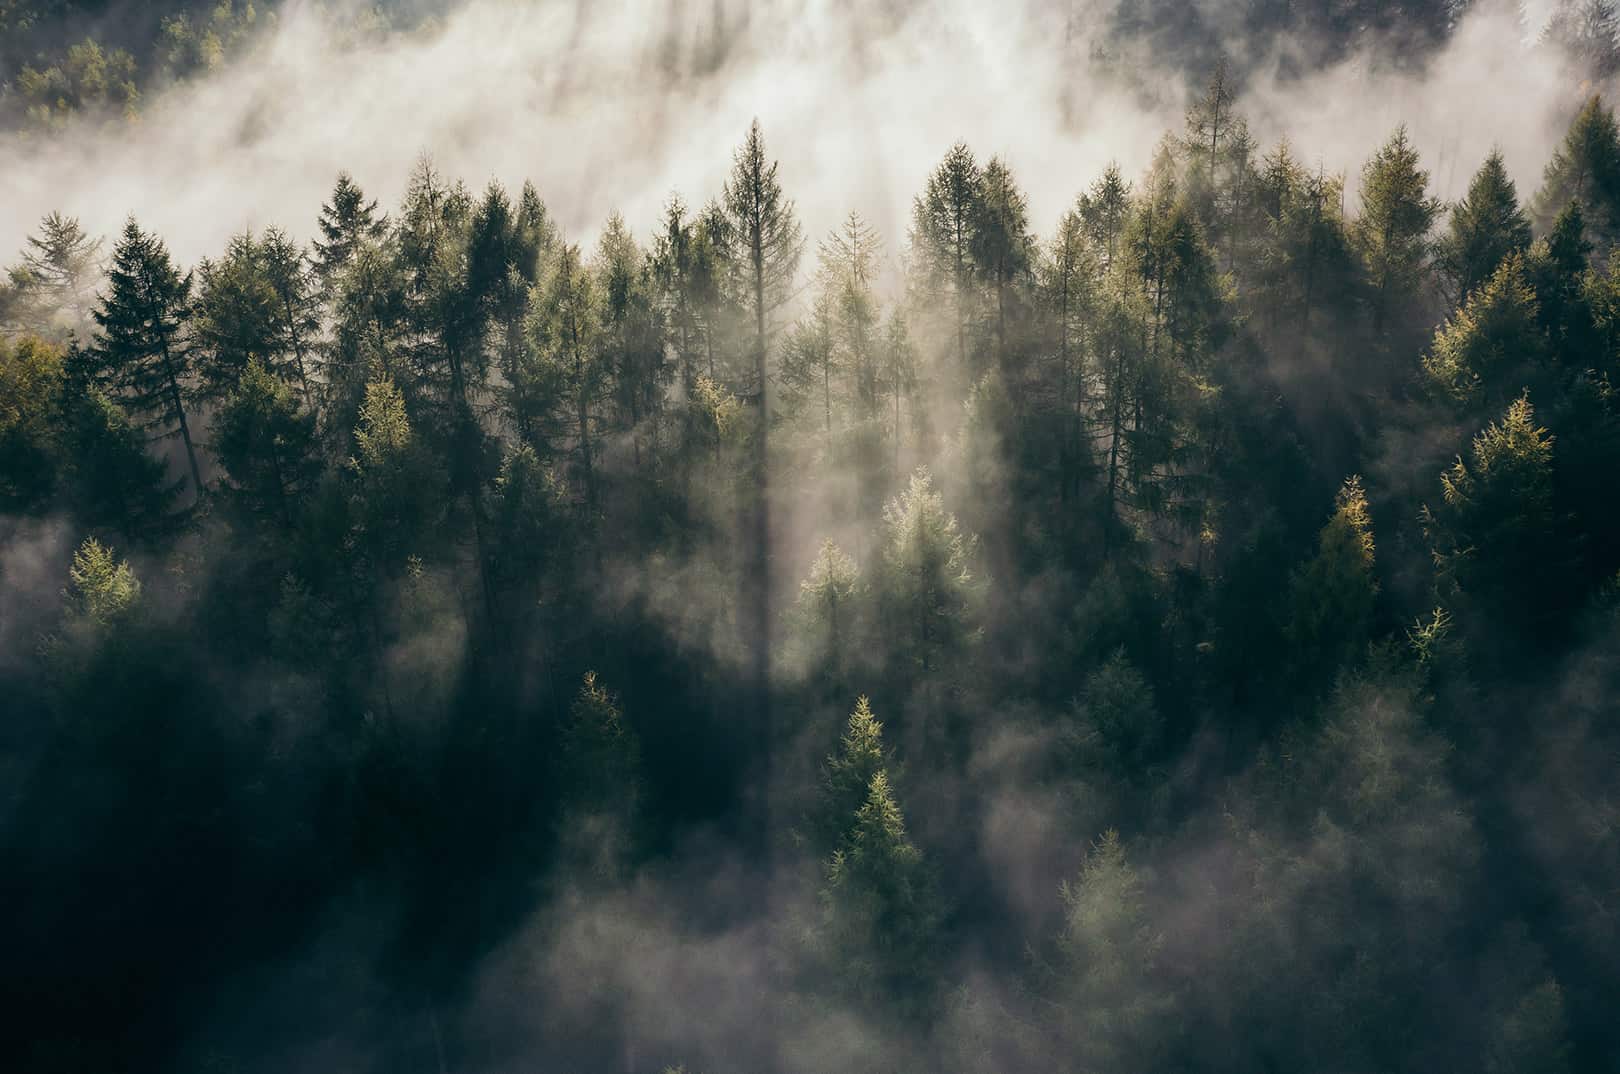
(180, 412)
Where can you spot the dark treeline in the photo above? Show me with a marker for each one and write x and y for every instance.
(1181, 640)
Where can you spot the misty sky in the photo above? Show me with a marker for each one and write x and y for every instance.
(615, 105)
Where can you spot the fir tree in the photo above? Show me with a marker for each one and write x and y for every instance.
(1392, 232)
(144, 346)
(1585, 169)
(1485, 227)
(347, 222)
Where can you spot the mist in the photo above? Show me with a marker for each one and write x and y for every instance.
(615, 106)
(1164, 626)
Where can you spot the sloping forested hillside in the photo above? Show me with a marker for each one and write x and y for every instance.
(1181, 636)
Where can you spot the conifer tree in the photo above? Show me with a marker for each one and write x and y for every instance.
(101, 587)
(927, 590)
(943, 235)
(1584, 30)
(634, 330)
(768, 242)
(1585, 169)
(1333, 593)
(237, 318)
(1557, 271)
(144, 345)
(1491, 345)
(898, 371)
(57, 276)
(298, 317)
(1002, 249)
(1485, 227)
(1069, 284)
(1102, 977)
(1103, 211)
(882, 908)
(1494, 533)
(1392, 232)
(347, 222)
(567, 374)
(265, 442)
(598, 768)
(1117, 706)
(31, 385)
(826, 614)
(812, 370)
(846, 776)
(112, 483)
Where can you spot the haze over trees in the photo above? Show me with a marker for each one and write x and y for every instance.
(1180, 635)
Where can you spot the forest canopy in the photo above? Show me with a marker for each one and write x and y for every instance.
(1181, 635)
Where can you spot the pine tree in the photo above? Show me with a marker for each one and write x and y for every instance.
(927, 591)
(143, 346)
(882, 908)
(237, 318)
(826, 615)
(1490, 345)
(812, 370)
(1003, 250)
(598, 771)
(396, 487)
(1557, 271)
(1070, 282)
(769, 242)
(1117, 707)
(846, 776)
(1494, 534)
(58, 274)
(1392, 232)
(566, 374)
(111, 482)
(943, 235)
(31, 385)
(101, 587)
(347, 222)
(266, 443)
(1102, 977)
(1485, 227)
(1332, 595)
(633, 329)
(898, 370)
(298, 315)
(1584, 30)
(1103, 211)
(1585, 169)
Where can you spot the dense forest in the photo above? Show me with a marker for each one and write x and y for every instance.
(1180, 636)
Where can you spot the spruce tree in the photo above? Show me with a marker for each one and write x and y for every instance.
(266, 443)
(1332, 595)
(1003, 251)
(882, 909)
(768, 241)
(1492, 346)
(1392, 232)
(1585, 169)
(943, 233)
(237, 318)
(346, 223)
(144, 345)
(59, 269)
(1485, 227)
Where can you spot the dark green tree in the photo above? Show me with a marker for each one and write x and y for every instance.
(144, 345)
(1485, 227)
